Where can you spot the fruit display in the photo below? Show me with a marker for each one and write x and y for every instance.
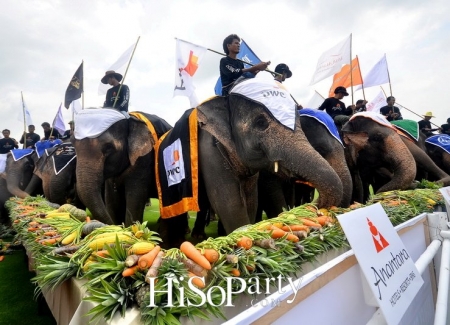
(126, 266)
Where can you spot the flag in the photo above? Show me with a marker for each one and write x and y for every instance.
(75, 87)
(342, 78)
(245, 54)
(27, 118)
(188, 57)
(119, 66)
(58, 122)
(378, 102)
(315, 101)
(76, 106)
(332, 60)
(378, 75)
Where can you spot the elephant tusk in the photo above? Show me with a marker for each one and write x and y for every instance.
(276, 167)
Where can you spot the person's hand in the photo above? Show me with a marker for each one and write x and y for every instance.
(262, 65)
(299, 107)
(353, 107)
(52, 138)
(15, 142)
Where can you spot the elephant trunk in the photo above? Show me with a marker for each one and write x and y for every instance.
(34, 184)
(308, 164)
(402, 162)
(13, 180)
(89, 188)
(338, 163)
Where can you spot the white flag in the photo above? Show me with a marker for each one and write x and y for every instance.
(378, 102)
(377, 76)
(315, 101)
(58, 122)
(119, 66)
(332, 60)
(27, 117)
(76, 106)
(188, 57)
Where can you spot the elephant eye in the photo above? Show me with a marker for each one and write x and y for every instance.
(261, 123)
(107, 148)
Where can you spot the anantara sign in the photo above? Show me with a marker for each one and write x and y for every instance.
(384, 260)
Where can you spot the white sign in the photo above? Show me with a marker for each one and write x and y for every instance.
(386, 265)
(445, 191)
(174, 163)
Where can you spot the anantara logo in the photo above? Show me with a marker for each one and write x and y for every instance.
(378, 239)
(444, 140)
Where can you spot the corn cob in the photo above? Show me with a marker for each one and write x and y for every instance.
(141, 248)
(99, 243)
(69, 238)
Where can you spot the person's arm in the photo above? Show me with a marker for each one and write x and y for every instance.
(21, 138)
(257, 67)
(323, 106)
(124, 95)
(16, 144)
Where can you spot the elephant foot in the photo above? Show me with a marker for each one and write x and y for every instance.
(220, 229)
(413, 185)
(198, 233)
(172, 231)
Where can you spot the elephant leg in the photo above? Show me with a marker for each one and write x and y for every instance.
(225, 191)
(204, 215)
(172, 231)
(271, 195)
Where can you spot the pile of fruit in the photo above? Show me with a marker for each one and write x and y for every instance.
(120, 262)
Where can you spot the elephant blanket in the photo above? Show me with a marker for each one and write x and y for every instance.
(410, 127)
(18, 154)
(441, 141)
(177, 167)
(61, 156)
(92, 122)
(324, 118)
(42, 145)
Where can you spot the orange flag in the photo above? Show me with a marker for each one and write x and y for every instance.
(342, 78)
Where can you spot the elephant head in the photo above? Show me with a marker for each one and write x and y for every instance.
(255, 140)
(19, 173)
(113, 153)
(378, 146)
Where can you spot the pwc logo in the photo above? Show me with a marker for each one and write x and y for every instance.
(174, 163)
(378, 239)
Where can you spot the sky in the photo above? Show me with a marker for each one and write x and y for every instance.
(44, 42)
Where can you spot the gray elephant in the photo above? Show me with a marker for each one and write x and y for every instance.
(323, 136)
(116, 151)
(438, 148)
(19, 172)
(375, 147)
(238, 136)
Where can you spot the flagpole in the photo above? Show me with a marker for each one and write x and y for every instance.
(351, 69)
(82, 93)
(125, 74)
(24, 122)
(360, 75)
(389, 78)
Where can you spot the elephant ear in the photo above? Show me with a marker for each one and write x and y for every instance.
(140, 140)
(214, 117)
(356, 142)
(40, 164)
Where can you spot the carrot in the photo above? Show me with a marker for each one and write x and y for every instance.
(211, 255)
(2, 257)
(49, 241)
(245, 242)
(153, 271)
(196, 281)
(235, 272)
(146, 260)
(88, 219)
(33, 224)
(323, 220)
(129, 271)
(310, 223)
(16, 221)
(295, 228)
(190, 251)
(102, 253)
(276, 232)
(32, 229)
(292, 238)
(250, 268)
(50, 233)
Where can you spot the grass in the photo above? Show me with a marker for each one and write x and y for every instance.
(17, 306)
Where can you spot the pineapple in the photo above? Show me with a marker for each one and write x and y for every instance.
(141, 295)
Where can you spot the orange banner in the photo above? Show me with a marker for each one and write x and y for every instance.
(342, 78)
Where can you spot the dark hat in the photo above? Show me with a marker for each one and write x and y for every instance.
(111, 73)
(283, 68)
(71, 122)
(342, 90)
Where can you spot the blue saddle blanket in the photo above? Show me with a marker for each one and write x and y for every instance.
(18, 154)
(323, 118)
(440, 140)
(42, 145)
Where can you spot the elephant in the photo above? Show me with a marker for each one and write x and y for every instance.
(272, 201)
(238, 137)
(121, 159)
(375, 147)
(440, 156)
(19, 174)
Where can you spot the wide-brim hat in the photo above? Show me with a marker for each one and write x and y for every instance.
(429, 114)
(283, 68)
(111, 73)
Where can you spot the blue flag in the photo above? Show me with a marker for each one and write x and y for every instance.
(245, 54)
